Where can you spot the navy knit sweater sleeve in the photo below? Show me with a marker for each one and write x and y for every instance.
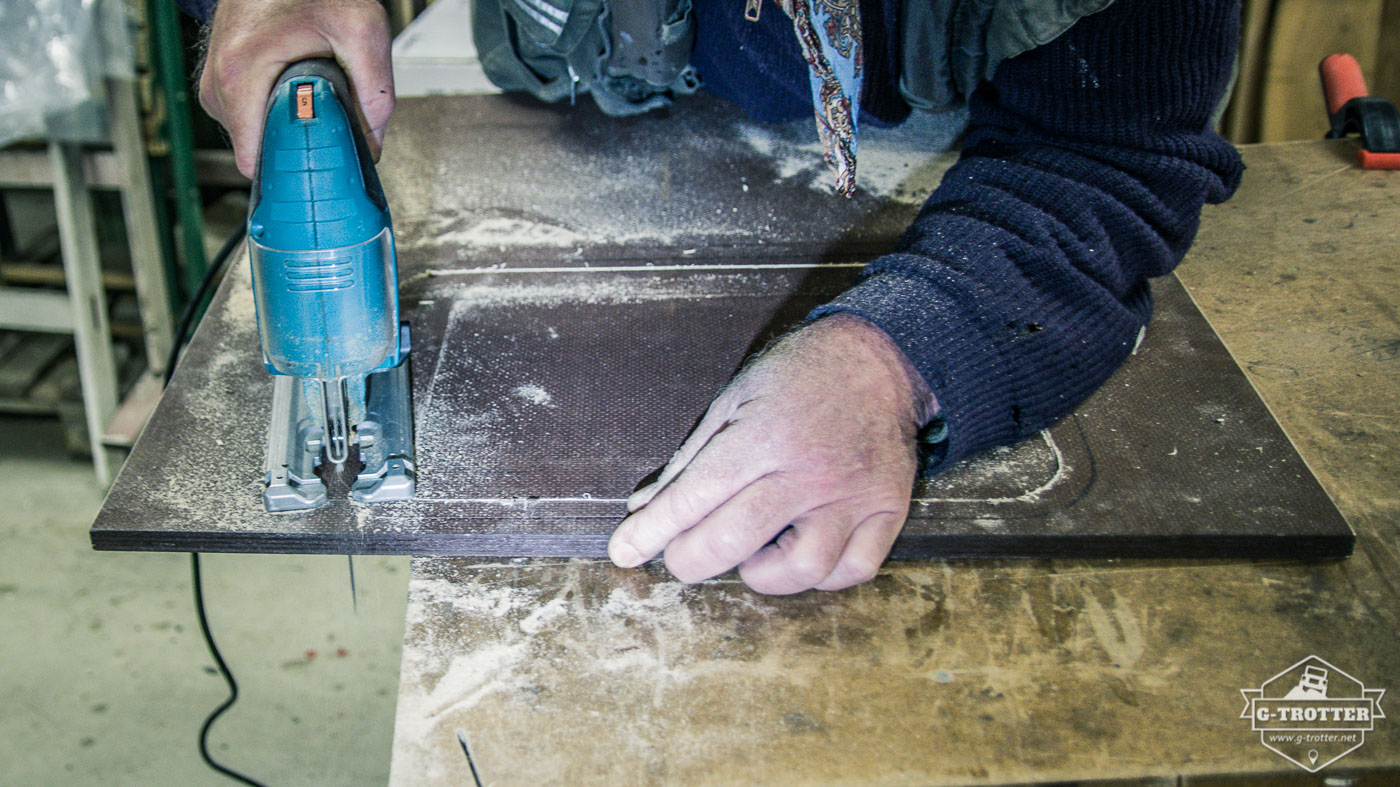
(203, 10)
(1022, 285)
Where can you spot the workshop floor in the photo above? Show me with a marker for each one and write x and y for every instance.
(104, 678)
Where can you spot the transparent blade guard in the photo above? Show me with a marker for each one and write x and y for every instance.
(328, 313)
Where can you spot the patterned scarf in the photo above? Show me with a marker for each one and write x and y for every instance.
(829, 32)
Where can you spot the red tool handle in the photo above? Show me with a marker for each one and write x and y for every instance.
(1341, 81)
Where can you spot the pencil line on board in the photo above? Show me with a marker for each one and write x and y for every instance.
(648, 268)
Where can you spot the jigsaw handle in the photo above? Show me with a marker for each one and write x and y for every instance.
(322, 251)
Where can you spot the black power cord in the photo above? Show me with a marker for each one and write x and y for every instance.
(185, 326)
(224, 671)
(212, 276)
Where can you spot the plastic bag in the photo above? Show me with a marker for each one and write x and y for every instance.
(54, 55)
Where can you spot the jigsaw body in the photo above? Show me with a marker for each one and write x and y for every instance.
(325, 285)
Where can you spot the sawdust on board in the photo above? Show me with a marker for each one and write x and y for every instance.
(460, 422)
(599, 289)
(462, 437)
(229, 396)
(898, 172)
(534, 394)
(503, 231)
(1022, 472)
(645, 192)
(216, 408)
(507, 232)
(240, 303)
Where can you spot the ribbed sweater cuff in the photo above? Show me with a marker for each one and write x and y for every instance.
(943, 335)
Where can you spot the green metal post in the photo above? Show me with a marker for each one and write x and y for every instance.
(170, 66)
(160, 185)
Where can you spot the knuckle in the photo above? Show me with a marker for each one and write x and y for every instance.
(860, 568)
(207, 96)
(230, 53)
(221, 72)
(807, 570)
(366, 22)
(682, 504)
(728, 546)
(370, 12)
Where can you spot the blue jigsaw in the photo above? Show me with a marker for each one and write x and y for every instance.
(325, 284)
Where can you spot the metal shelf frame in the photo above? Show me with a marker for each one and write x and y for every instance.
(72, 172)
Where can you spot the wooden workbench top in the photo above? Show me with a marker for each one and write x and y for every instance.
(552, 671)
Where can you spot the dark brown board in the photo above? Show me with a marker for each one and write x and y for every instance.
(542, 399)
(1176, 456)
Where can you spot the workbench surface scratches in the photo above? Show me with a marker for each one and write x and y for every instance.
(577, 668)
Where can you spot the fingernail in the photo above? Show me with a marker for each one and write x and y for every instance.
(623, 555)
